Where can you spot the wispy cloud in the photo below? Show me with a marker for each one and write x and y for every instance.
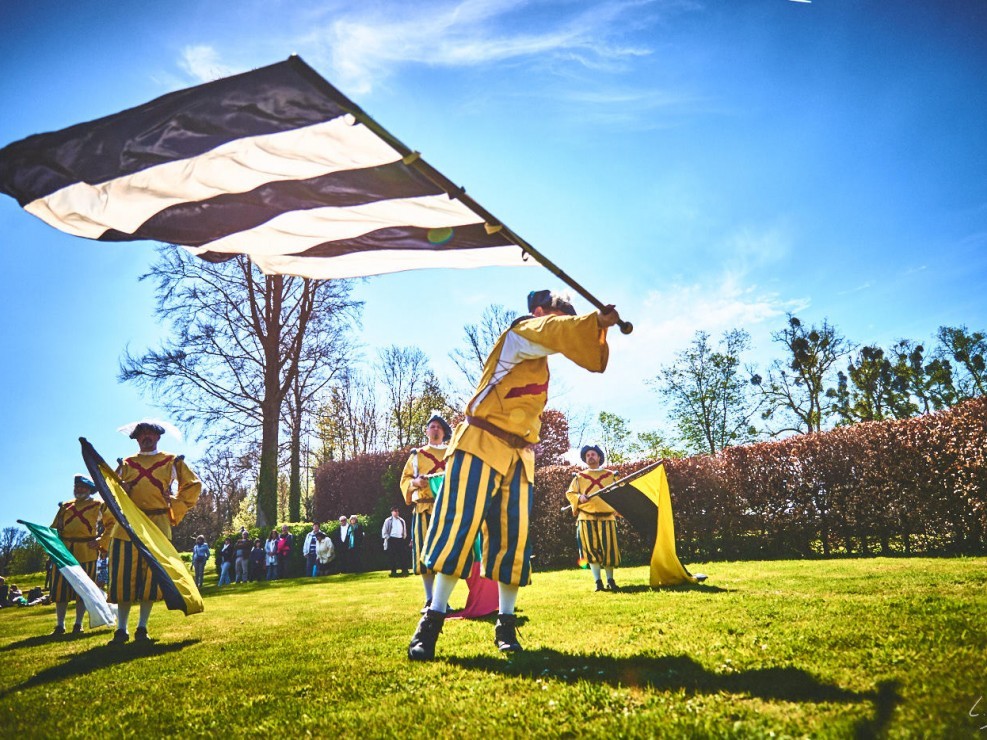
(202, 63)
(368, 45)
(666, 321)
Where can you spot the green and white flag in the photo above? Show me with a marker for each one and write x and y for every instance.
(100, 612)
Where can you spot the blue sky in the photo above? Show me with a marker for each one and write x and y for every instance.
(702, 165)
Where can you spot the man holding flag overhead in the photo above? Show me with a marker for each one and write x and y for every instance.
(490, 462)
(76, 524)
(148, 478)
(596, 521)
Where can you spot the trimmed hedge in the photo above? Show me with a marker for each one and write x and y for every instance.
(916, 486)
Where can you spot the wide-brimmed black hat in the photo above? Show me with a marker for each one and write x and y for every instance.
(587, 448)
(81, 480)
(446, 429)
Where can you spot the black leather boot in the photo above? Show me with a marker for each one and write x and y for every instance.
(599, 585)
(611, 585)
(422, 645)
(505, 634)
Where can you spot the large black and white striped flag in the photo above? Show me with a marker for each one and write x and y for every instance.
(275, 163)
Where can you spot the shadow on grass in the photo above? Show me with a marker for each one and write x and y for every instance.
(97, 657)
(680, 672)
(48, 639)
(663, 673)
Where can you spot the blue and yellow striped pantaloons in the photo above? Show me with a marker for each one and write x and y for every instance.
(130, 577)
(597, 541)
(476, 498)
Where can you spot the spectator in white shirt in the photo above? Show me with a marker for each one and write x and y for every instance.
(395, 534)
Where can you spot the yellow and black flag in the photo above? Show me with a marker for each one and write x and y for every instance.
(173, 578)
(646, 503)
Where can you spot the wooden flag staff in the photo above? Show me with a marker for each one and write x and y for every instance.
(411, 158)
(626, 479)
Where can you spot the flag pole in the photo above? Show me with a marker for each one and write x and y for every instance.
(411, 158)
(626, 479)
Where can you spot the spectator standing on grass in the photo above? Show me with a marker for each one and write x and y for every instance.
(226, 557)
(285, 543)
(309, 548)
(242, 548)
(271, 555)
(325, 552)
(255, 572)
(342, 545)
(354, 536)
(200, 554)
(395, 536)
(102, 571)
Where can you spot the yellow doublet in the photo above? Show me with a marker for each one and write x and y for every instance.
(430, 459)
(75, 523)
(150, 478)
(513, 389)
(588, 482)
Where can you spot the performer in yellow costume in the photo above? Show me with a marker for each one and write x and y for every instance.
(148, 477)
(417, 492)
(76, 522)
(490, 462)
(596, 521)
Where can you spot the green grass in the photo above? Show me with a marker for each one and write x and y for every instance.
(838, 648)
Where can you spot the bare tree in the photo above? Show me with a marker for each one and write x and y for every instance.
(480, 338)
(325, 354)
(11, 540)
(237, 337)
(412, 391)
(348, 421)
(712, 401)
(226, 480)
(795, 388)
(968, 350)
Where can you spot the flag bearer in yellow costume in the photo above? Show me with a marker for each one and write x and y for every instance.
(596, 521)
(490, 462)
(417, 492)
(149, 477)
(76, 523)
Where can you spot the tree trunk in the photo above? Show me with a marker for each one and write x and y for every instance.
(267, 478)
(295, 464)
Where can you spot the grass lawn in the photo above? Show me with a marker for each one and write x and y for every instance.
(839, 648)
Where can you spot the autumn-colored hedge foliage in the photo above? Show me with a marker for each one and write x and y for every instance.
(912, 486)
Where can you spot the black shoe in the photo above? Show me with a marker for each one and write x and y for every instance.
(612, 586)
(599, 585)
(505, 634)
(393, 574)
(119, 637)
(422, 645)
(59, 630)
(141, 635)
(77, 629)
(425, 608)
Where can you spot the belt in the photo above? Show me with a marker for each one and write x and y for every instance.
(155, 512)
(514, 440)
(77, 539)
